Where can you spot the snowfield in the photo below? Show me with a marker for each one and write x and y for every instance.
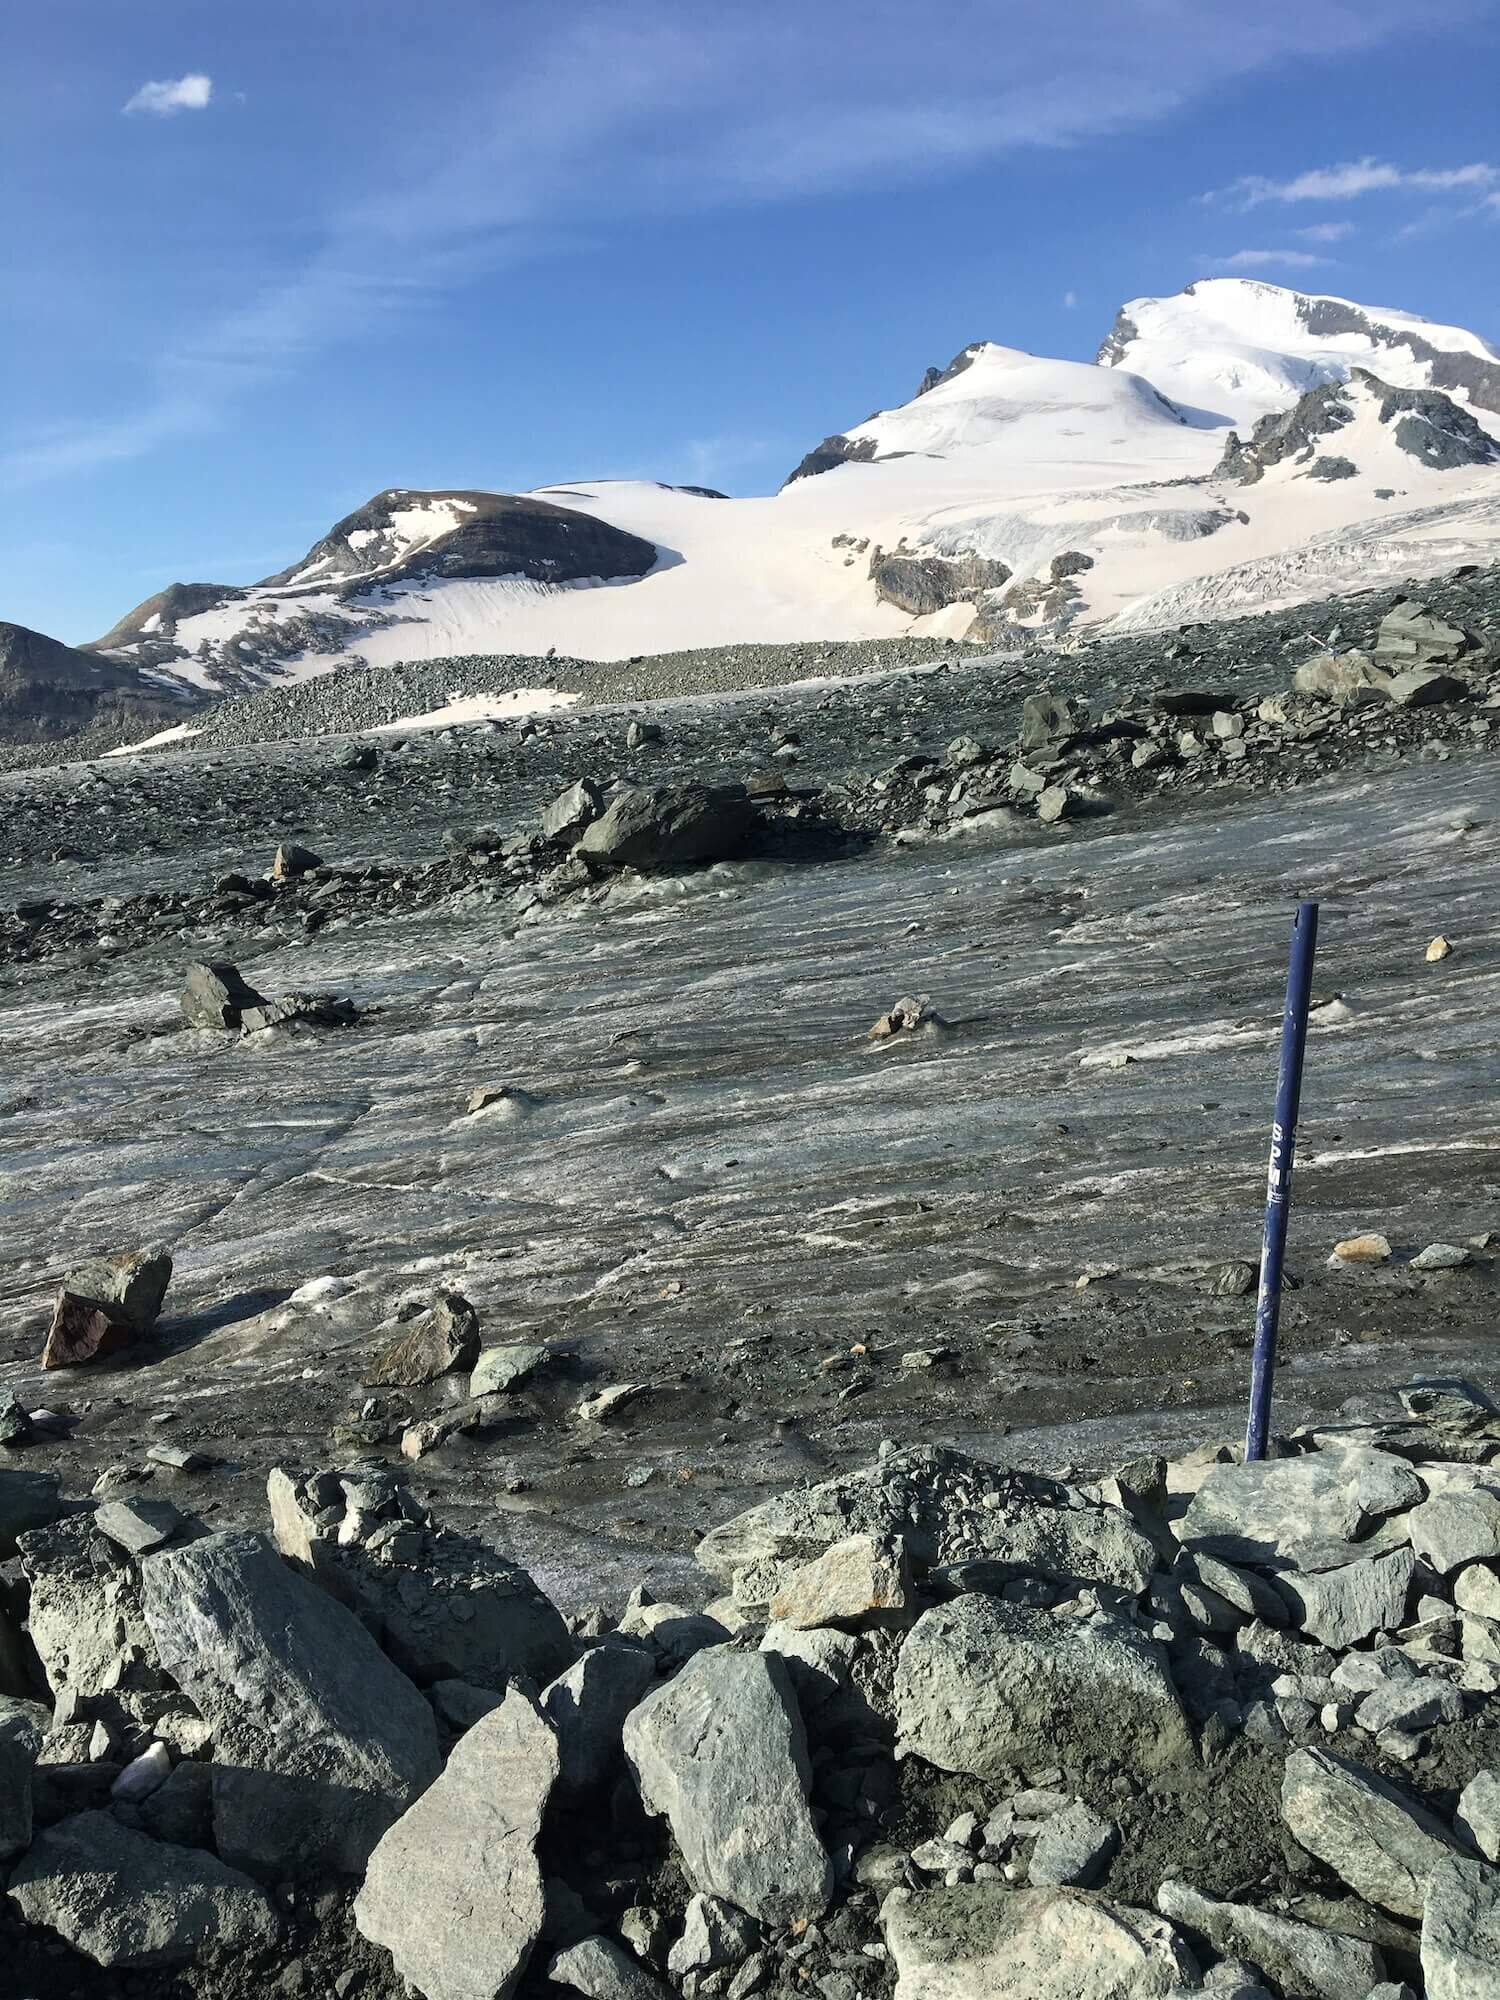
(1006, 456)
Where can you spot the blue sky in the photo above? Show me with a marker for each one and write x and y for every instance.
(263, 260)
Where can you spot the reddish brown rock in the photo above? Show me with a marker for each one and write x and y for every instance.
(83, 1330)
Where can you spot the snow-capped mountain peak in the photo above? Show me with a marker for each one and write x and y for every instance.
(1230, 350)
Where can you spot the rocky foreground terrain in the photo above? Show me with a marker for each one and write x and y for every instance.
(625, 1334)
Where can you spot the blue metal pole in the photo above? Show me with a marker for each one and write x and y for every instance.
(1279, 1177)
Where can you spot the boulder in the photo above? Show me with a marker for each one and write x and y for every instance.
(1409, 636)
(1420, 687)
(1340, 677)
(1048, 718)
(571, 811)
(1343, 1604)
(1073, 1847)
(1452, 1529)
(983, 1941)
(83, 1330)
(988, 1688)
(946, 1508)
(454, 1889)
(859, 1581)
(721, 1751)
(603, 1970)
(122, 1898)
(290, 861)
(1268, 1508)
(714, 1933)
(1302, 1959)
(443, 1340)
(320, 1741)
(498, 1370)
(85, 1606)
(587, 1707)
(215, 995)
(1461, 1932)
(138, 1525)
(670, 826)
(131, 1283)
(1371, 1835)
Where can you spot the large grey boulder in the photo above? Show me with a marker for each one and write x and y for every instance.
(1074, 1847)
(982, 1941)
(20, 1739)
(670, 826)
(722, 1752)
(133, 1283)
(441, 1340)
(945, 1508)
(1342, 1605)
(85, 1608)
(1372, 1836)
(1340, 677)
(320, 1741)
(454, 1889)
(1301, 1958)
(571, 811)
(988, 1687)
(1410, 636)
(1272, 1506)
(1461, 1932)
(587, 1706)
(215, 995)
(1048, 718)
(1452, 1529)
(122, 1898)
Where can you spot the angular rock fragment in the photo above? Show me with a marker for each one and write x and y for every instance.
(587, 1707)
(1274, 1505)
(443, 1340)
(132, 1283)
(1452, 1529)
(1343, 1604)
(1478, 1813)
(215, 995)
(1050, 718)
(124, 1899)
(320, 1741)
(27, 1500)
(498, 1370)
(989, 1687)
(981, 1941)
(714, 1933)
(82, 1330)
(571, 811)
(1461, 1932)
(290, 860)
(602, 1970)
(138, 1525)
(1372, 1836)
(722, 1753)
(1073, 1848)
(454, 1889)
(857, 1582)
(1301, 1958)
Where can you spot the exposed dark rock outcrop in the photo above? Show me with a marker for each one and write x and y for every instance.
(922, 584)
(1424, 422)
(49, 689)
(833, 451)
(494, 534)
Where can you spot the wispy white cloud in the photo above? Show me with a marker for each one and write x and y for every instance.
(1264, 260)
(1353, 178)
(672, 109)
(164, 100)
(1327, 232)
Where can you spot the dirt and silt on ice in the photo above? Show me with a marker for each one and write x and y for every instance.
(1012, 1231)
